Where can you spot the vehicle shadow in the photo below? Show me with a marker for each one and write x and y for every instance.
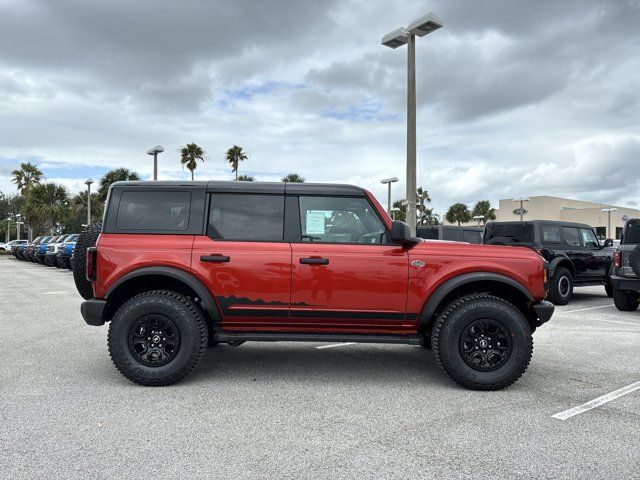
(302, 363)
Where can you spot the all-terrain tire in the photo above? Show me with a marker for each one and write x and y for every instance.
(187, 317)
(561, 288)
(87, 239)
(634, 260)
(457, 318)
(625, 300)
(608, 290)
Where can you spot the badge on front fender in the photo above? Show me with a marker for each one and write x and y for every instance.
(417, 263)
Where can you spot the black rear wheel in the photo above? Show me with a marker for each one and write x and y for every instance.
(561, 288)
(482, 342)
(87, 239)
(625, 300)
(157, 338)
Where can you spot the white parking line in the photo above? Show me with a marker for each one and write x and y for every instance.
(52, 293)
(596, 402)
(336, 345)
(615, 321)
(583, 309)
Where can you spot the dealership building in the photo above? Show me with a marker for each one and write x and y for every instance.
(567, 210)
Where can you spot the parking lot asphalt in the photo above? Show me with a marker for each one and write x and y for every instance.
(292, 410)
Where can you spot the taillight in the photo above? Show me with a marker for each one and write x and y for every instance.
(92, 257)
(617, 259)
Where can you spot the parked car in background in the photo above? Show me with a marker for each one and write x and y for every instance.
(31, 248)
(65, 251)
(50, 258)
(575, 255)
(9, 246)
(41, 250)
(454, 233)
(18, 250)
(625, 274)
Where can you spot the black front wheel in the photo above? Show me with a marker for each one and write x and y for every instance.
(482, 342)
(157, 338)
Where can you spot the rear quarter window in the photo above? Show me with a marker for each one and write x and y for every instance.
(522, 233)
(632, 232)
(154, 210)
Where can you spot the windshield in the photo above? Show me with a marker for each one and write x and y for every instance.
(520, 232)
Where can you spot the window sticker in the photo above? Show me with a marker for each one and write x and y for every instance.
(315, 222)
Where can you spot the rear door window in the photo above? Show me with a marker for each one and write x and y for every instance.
(571, 236)
(154, 210)
(246, 217)
(551, 233)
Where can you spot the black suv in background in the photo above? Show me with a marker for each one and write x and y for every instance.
(625, 273)
(450, 232)
(575, 255)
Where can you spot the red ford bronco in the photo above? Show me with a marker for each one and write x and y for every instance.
(178, 266)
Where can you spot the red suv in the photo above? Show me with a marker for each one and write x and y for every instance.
(179, 266)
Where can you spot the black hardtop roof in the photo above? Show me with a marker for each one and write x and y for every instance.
(537, 222)
(293, 188)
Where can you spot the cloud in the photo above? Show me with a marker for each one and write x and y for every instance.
(513, 97)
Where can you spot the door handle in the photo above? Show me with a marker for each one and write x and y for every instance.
(215, 258)
(314, 261)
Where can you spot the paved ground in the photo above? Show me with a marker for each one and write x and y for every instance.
(296, 411)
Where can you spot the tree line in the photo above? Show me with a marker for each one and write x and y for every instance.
(48, 208)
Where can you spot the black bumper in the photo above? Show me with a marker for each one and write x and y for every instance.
(92, 311)
(625, 283)
(544, 311)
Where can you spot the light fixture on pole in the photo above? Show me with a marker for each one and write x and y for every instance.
(521, 211)
(394, 212)
(388, 182)
(155, 151)
(88, 184)
(420, 27)
(479, 218)
(609, 210)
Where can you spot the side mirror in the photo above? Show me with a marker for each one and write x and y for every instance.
(401, 233)
(608, 242)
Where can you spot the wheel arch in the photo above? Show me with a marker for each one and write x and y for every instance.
(160, 278)
(494, 283)
(562, 261)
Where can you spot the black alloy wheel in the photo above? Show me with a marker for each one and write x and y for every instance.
(485, 345)
(154, 340)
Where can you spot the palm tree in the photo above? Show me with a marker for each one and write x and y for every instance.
(189, 156)
(78, 207)
(25, 179)
(234, 156)
(112, 176)
(47, 205)
(245, 178)
(293, 178)
(458, 212)
(483, 208)
(422, 197)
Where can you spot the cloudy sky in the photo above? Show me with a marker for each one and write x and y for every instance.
(514, 97)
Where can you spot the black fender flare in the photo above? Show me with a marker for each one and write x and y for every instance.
(553, 264)
(187, 278)
(450, 285)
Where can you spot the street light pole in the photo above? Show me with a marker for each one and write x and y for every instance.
(389, 181)
(8, 230)
(395, 39)
(88, 184)
(609, 210)
(155, 151)
(411, 132)
(18, 223)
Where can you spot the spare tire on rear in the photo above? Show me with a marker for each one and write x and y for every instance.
(87, 239)
(634, 260)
